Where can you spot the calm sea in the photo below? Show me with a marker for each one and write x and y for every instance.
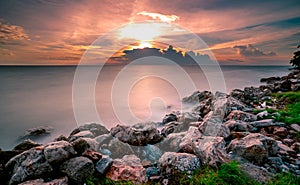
(42, 96)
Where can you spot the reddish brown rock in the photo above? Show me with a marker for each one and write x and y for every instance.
(128, 168)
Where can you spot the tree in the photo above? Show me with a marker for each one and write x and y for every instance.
(295, 61)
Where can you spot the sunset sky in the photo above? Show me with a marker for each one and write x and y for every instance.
(59, 31)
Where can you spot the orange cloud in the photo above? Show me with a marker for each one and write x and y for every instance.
(161, 17)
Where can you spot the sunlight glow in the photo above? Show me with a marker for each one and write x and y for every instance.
(143, 45)
(141, 31)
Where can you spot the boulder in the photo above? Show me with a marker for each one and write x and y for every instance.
(92, 155)
(78, 169)
(266, 123)
(103, 165)
(239, 126)
(284, 149)
(188, 117)
(220, 107)
(235, 104)
(214, 128)
(117, 148)
(58, 151)
(186, 143)
(152, 172)
(174, 127)
(296, 147)
(210, 150)
(83, 144)
(28, 165)
(254, 147)
(242, 116)
(81, 134)
(296, 127)
(26, 145)
(60, 181)
(171, 142)
(95, 128)
(169, 118)
(192, 99)
(137, 137)
(172, 163)
(256, 173)
(203, 107)
(128, 168)
(37, 132)
(280, 131)
(149, 153)
(270, 79)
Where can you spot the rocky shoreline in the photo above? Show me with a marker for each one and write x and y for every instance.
(220, 128)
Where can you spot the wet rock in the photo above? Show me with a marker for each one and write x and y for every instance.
(262, 114)
(213, 128)
(235, 104)
(128, 168)
(60, 181)
(220, 107)
(37, 132)
(257, 173)
(95, 128)
(242, 116)
(118, 149)
(210, 150)
(188, 117)
(78, 169)
(152, 171)
(284, 149)
(150, 153)
(83, 144)
(92, 155)
(137, 137)
(270, 79)
(171, 142)
(239, 126)
(192, 99)
(296, 127)
(27, 165)
(266, 123)
(169, 118)
(296, 147)
(58, 151)
(5, 156)
(280, 131)
(103, 165)
(288, 142)
(254, 147)
(186, 144)
(81, 134)
(172, 163)
(26, 145)
(173, 127)
(61, 138)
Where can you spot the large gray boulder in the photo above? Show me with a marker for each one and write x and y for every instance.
(172, 163)
(59, 151)
(136, 136)
(27, 165)
(78, 169)
(95, 128)
(117, 148)
(128, 168)
(254, 147)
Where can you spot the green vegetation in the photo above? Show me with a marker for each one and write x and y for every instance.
(226, 174)
(291, 113)
(285, 178)
(289, 97)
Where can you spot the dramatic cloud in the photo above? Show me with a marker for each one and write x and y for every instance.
(11, 32)
(249, 51)
(161, 17)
